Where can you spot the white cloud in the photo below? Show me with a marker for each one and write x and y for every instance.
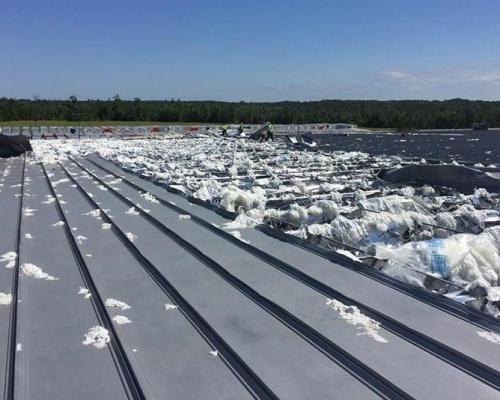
(400, 75)
(449, 76)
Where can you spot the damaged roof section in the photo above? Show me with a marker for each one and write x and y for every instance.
(165, 302)
(332, 199)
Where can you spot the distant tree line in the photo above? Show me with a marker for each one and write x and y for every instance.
(402, 114)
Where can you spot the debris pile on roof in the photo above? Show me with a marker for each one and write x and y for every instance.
(332, 199)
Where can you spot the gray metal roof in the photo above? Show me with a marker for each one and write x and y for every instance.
(210, 316)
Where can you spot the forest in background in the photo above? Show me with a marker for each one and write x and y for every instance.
(397, 114)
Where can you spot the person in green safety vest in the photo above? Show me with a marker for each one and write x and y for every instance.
(240, 129)
(224, 130)
(270, 131)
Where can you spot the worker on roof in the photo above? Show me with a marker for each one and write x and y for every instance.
(270, 131)
(240, 129)
(224, 130)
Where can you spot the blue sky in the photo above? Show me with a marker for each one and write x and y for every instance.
(251, 50)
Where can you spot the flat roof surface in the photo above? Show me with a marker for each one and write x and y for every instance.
(121, 289)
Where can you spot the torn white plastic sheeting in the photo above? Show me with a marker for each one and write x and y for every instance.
(493, 294)
(460, 296)
(32, 271)
(394, 204)
(300, 233)
(97, 336)
(113, 303)
(348, 254)
(208, 189)
(245, 220)
(353, 316)
(383, 227)
(237, 235)
(471, 219)
(297, 215)
(359, 195)
(180, 188)
(9, 258)
(329, 208)
(463, 257)
(234, 198)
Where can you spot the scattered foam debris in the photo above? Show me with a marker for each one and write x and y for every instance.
(490, 336)
(150, 197)
(113, 303)
(121, 320)
(97, 336)
(28, 212)
(80, 239)
(214, 353)
(5, 299)
(9, 258)
(86, 293)
(32, 271)
(132, 211)
(63, 180)
(115, 182)
(131, 236)
(170, 307)
(94, 213)
(353, 316)
(50, 200)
